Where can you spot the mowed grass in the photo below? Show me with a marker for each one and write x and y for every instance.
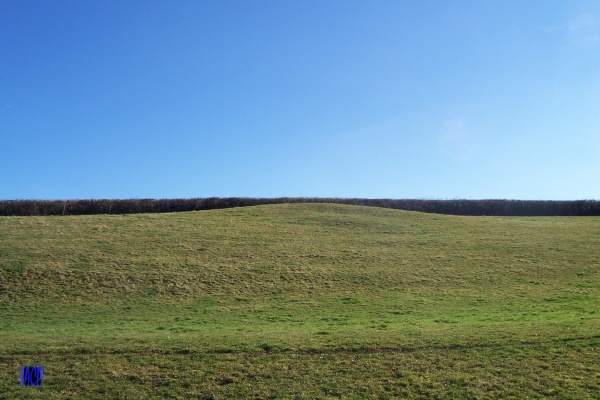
(301, 301)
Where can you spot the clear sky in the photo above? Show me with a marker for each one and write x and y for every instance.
(268, 98)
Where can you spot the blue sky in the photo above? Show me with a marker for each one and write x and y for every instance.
(269, 98)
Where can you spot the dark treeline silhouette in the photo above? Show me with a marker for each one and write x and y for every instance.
(454, 207)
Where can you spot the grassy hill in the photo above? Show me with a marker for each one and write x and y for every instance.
(301, 301)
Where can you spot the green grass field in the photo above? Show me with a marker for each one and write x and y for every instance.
(301, 301)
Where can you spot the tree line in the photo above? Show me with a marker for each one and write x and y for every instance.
(453, 207)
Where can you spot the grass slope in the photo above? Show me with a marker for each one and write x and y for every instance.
(301, 301)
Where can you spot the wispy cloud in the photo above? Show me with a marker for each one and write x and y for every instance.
(456, 141)
(583, 31)
(580, 49)
(5, 108)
